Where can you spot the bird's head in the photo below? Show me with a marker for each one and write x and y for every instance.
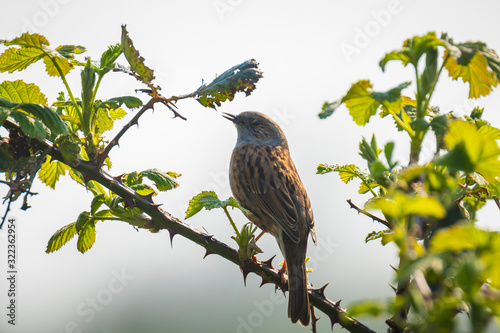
(257, 128)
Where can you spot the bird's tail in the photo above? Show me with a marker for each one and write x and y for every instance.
(298, 303)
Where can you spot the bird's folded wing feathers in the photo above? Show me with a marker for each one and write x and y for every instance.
(267, 180)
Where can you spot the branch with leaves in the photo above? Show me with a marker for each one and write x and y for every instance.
(69, 137)
(430, 209)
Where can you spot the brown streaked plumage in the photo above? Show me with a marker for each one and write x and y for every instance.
(264, 180)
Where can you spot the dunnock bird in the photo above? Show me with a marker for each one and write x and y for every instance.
(264, 180)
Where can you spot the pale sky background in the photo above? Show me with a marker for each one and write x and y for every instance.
(299, 48)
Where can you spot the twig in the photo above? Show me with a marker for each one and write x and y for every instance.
(364, 212)
(8, 208)
(497, 201)
(134, 121)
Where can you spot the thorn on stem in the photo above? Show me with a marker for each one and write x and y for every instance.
(207, 253)
(321, 291)
(172, 232)
(269, 262)
(245, 272)
(264, 281)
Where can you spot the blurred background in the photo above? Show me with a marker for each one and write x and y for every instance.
(135, 281)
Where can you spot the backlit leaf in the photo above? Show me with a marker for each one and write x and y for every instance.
(21, 92)
(413, 49)
(61, 237)
(86, 237)
(239, 78)
(363, 102)
(136, 61)
(164, 181)
(195, 206)
(474, 63)
(401, 205)
(328, 108)
(50, 171)
(470, 150)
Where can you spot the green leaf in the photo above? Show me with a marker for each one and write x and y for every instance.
(50, 171)
(103, 121)
(55, 66)
(474, 63)
(14, 59)
(233, 203)
(83, 217)
(363, 102)
(33, 113)
(430, 72)
(130, 101)
(144, 73)
(4, 114)
(95, 187)
(367, 307)
(117, 114)
(86, 237)
(109, 57)
(21, 92)
(377, 235)
(69, 149)
(132, 179)
(35, 47)
(143, 189)
(97, 202)
(247, 246)
(388, 149)
(28, 40)
(164, 181)
(470, 150)
(240, 78)
(30, 126)
(348, 172)
(69, 51)
(210, 202)
(88, 81)
(459, 238)
(61, 237)
(360, 102)
(328, 108)
(477, 113)
(325, 168)
(195, 205)
(402, 205)
(413, 49)
(439, 124)
(369, 152)
(368, 186)
(487, 129)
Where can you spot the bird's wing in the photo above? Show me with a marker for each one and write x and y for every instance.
(274, 183)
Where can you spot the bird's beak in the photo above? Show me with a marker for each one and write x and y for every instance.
(231, 117)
